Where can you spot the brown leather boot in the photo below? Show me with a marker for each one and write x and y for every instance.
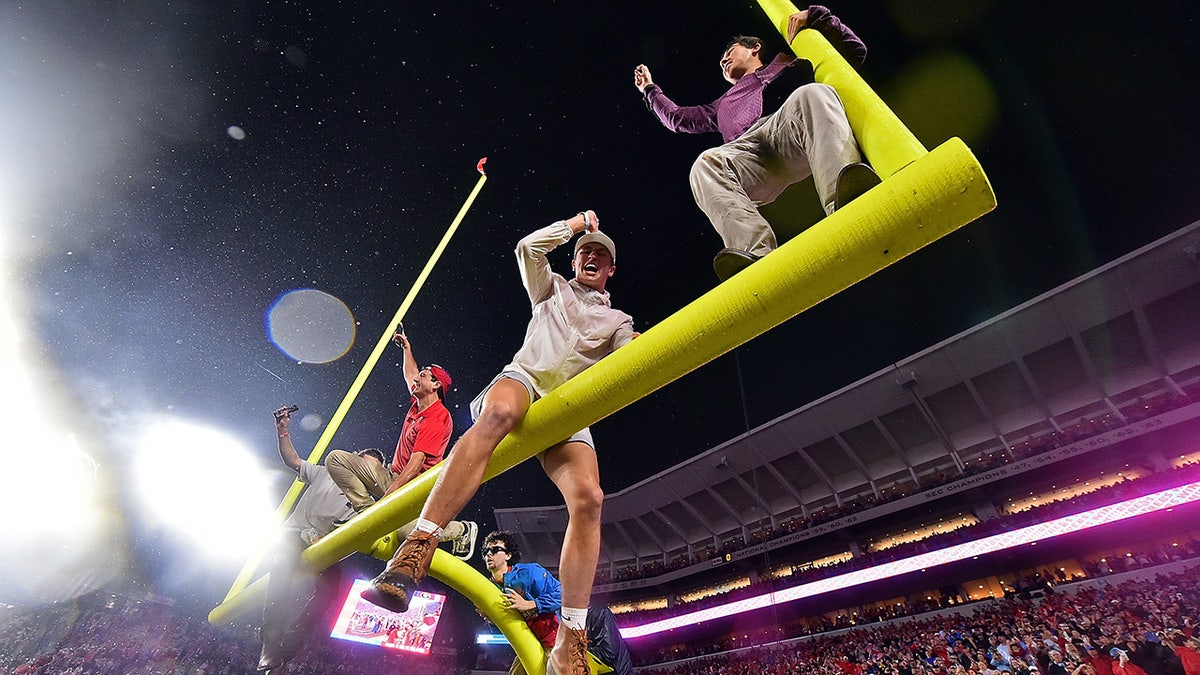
(406, 569)
(569, 656)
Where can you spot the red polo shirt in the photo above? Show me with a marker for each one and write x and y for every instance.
(426, 431)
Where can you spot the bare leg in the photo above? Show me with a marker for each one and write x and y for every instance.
(573, 468)
(503, 408)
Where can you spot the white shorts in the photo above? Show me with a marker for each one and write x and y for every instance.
(582, 436)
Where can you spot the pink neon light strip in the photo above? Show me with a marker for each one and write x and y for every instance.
(1104, 515)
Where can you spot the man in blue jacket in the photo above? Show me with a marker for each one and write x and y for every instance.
(532, 591)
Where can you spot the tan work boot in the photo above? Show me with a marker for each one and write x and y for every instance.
(407, 568)
(569, 656)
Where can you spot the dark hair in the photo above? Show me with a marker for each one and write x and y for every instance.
(509, 541)
(747, 41)
(374, 452)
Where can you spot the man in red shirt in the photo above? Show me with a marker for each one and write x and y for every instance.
(422, 444)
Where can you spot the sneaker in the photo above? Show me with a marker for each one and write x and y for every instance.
(575, 660)
(464, 546)
(407, 568)
(730, 261)
(853, 180)
(310, 535)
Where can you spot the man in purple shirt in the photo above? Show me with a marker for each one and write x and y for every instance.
(808, 136)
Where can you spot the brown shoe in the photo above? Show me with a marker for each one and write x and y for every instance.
(852, 181)
(407, 568)
(569, 656)
(730, 261)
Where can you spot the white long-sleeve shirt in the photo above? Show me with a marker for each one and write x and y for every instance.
(573, 325)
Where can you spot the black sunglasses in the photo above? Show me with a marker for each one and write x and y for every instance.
(493, 550)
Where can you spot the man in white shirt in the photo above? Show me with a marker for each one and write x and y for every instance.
(295, 597)
(574, 325)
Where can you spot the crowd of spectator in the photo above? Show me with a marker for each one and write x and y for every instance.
(1101, 496)
(1133, 628)
(130, 638)
(1015, 635)
(1034, 445)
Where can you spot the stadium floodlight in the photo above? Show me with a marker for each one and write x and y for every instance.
(205, 487)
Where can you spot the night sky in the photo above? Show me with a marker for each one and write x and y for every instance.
(143, 240)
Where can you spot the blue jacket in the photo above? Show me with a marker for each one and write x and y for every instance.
(535, 583)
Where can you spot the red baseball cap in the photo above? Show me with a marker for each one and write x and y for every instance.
(439, 373)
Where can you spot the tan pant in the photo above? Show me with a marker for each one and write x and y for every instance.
(365, 480)
(807, 136)
(362, 480)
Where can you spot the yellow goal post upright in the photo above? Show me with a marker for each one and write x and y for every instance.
(887, 144)
(289, 499)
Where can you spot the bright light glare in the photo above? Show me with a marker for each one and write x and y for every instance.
(206, 487)
(35, 430)
(57, 537)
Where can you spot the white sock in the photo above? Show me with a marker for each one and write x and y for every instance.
(574, 618)
(427, 526)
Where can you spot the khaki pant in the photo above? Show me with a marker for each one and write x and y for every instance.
(808, 136)
(364, 480)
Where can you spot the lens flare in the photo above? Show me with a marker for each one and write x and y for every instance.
(310, 326)
(311, 422)
(944, 94)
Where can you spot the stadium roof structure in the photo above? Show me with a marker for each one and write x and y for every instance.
(1101, 345)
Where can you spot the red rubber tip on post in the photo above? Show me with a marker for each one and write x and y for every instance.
(479, 166)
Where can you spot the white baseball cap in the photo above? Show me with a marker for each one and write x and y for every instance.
(603, 239)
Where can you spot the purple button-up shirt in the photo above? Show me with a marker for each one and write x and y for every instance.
(742, 105)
